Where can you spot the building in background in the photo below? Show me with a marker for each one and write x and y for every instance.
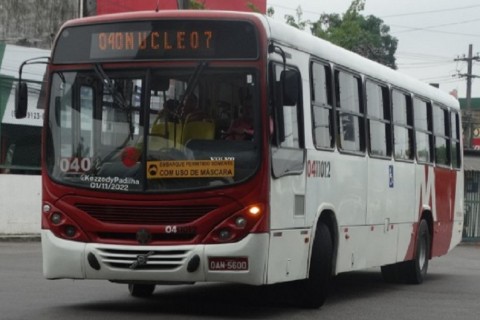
(471, 122)
(97, 7)
(471, 128)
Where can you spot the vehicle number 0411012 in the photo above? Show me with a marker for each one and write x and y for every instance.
(318, 169)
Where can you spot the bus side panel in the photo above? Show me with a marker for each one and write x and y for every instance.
(390, 192)
(458, 211)
(348, 180)
(339, 182)
(362, 247)
(437, 191)
(445, 209)
(391, 189)
(289, 255)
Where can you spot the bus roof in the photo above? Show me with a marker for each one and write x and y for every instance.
(325, 50)
(294, 38)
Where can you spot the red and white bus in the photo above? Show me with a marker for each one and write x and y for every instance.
(342, 164)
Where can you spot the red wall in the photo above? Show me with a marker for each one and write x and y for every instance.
(113, 6)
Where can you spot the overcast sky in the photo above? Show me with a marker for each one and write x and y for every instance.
(431, 34)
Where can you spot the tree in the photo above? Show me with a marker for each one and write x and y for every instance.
(270, 12)
(196, 5)
(298, 22)
(367, 36)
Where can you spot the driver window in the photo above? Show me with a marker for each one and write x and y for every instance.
(288, 158)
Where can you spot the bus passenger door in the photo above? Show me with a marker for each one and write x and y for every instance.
(288, 154)
(288, 254)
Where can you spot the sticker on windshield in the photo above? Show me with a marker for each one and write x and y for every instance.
(190, 169)
(109, 183)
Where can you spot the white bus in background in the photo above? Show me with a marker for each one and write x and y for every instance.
(20, 144)
(22, 135)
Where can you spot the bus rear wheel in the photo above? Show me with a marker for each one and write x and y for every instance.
(312, 292)
(416, 269)
(413, 271)
(141, 290)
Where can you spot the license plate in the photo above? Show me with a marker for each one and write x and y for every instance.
(228, 263)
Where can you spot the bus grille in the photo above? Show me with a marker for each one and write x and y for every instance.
(151, 215)
(156, 259)
(132, 237)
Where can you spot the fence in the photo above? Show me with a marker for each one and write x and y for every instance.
(471, 230)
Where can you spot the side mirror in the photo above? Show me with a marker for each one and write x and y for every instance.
(290, 87)
(21, 100)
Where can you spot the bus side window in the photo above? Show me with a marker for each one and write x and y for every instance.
(455, 140)
(402, 125)
(350, 112)
(442, 138)
(378, 112)
(322, 106)
(423, 130)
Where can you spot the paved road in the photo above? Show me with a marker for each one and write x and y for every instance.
(451, 291)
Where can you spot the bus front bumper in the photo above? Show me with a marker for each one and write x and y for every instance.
(241, 262)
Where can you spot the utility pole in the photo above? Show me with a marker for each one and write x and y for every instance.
(469, 77)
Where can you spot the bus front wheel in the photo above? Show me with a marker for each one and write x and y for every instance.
(141, 290)
(312, 292)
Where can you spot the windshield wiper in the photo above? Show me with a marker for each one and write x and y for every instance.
(192, 82)
(118, 98)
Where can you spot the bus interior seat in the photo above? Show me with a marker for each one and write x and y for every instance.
(165, 136)
(201, 129)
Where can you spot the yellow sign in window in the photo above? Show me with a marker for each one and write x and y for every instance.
(190, 169)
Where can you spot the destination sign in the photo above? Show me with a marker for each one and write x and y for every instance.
(157, 40)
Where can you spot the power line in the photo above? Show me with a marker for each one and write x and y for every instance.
(422, 56)
(428, 28)
(435, 31)
(386, 16)
(429, 11)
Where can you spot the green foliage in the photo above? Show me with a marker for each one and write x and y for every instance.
(196, 5)
(252, 7)
(270, 12)
(298, 22)
(367, 36)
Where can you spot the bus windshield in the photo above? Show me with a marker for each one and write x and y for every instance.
(153, 130)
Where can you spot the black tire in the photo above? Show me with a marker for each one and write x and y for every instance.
(313, 292)
(415, 271)
(391, 273)
(141, 290)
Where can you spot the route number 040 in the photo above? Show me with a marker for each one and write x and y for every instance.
(75, 164)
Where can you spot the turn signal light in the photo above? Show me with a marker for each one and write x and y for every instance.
(254, 211)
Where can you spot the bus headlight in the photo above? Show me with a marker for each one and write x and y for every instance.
(241, 222)
(224, 234)
(56, 218)
(70, 231)
(238, 225)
